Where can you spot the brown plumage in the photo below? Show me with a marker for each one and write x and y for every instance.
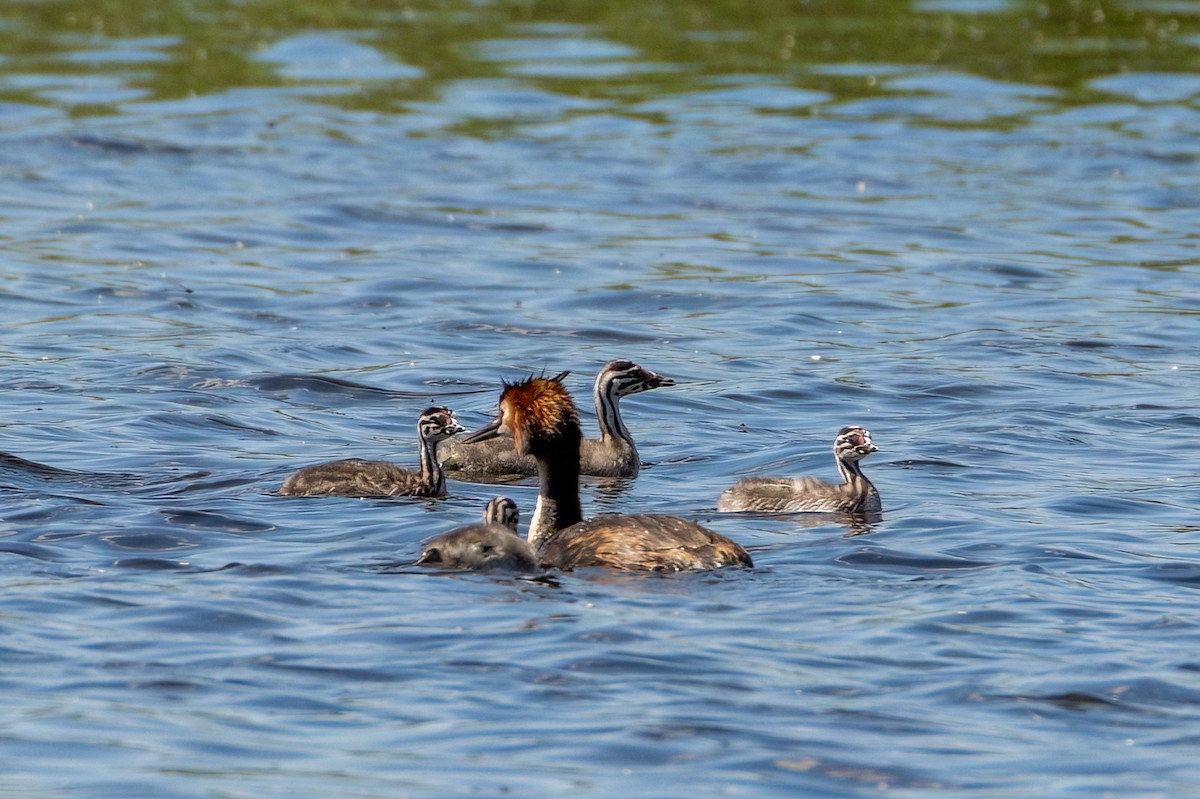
(353, 477)
(613, 454)
(544, 423)
(654, 542)
(855, 494)
(491, 546)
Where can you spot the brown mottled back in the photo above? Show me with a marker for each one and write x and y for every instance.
(641, 542)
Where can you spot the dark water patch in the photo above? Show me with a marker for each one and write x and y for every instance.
(51, 508)
(1072, 700)
(837, 775)
(1019, 273)
(20, 474)
(101, 600)
(33, 551)
(879, 557)
(177, 373)
(153, 565)
(1137, 695)
(625, 336)
(183, 423)
(990, 617)
(39, 386)
(1067, 553)
(254, 569)
(1105, 506)
(633, 664)
(925, 464)
(207, 619)
(1173, 419)
(147, 542)
(32, 468)
(115, 145)
(194, 519)
(1183, 573)
(1091, 344)
(963, 392)
(316, 384)
(172, 687)
(303, 708)
(451, 220)
(197, 484)
(339, 674)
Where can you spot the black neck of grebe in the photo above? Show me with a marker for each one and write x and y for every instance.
(608, 413)
(558, 493)
(431, 471)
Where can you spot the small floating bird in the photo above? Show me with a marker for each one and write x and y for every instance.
(544, 424)
(856, 494)
(612, 455)
(491, 546)
(502, 512)
(353, 477)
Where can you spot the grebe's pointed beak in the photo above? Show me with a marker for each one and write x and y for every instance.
(654, 379)
(492, 430)
(431, 555)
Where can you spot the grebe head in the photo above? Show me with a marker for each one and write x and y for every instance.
(478, 548)
(853, 444)
(502, 512)
(538, 412)
(438, 424)
(626, 378)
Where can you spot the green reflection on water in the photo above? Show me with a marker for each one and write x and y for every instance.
(831, 46)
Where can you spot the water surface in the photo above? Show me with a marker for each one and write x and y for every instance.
(243, 238)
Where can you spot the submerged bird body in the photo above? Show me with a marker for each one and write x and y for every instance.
(856, 494)
(613, 454)
(545, 425)
(353, 477)
(491, 546)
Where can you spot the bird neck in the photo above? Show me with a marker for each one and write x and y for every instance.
(430, 470)
(608, 413)
(856, 482)
(558, 491)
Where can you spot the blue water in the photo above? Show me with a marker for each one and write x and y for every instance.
(206, 288)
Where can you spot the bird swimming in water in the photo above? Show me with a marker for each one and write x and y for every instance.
(544, 424)
(353, 477)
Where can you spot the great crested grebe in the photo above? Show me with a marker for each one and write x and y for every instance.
(855, 494)
(493, 545)
(353, 477)
(545, 425)
(612, 455)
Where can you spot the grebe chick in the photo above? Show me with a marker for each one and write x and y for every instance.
(502, 512)
(612, 455)
(493, 545)
(855, 494)
(354, 477)
(544, 424)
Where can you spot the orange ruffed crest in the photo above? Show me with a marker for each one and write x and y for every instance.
(537, 406)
